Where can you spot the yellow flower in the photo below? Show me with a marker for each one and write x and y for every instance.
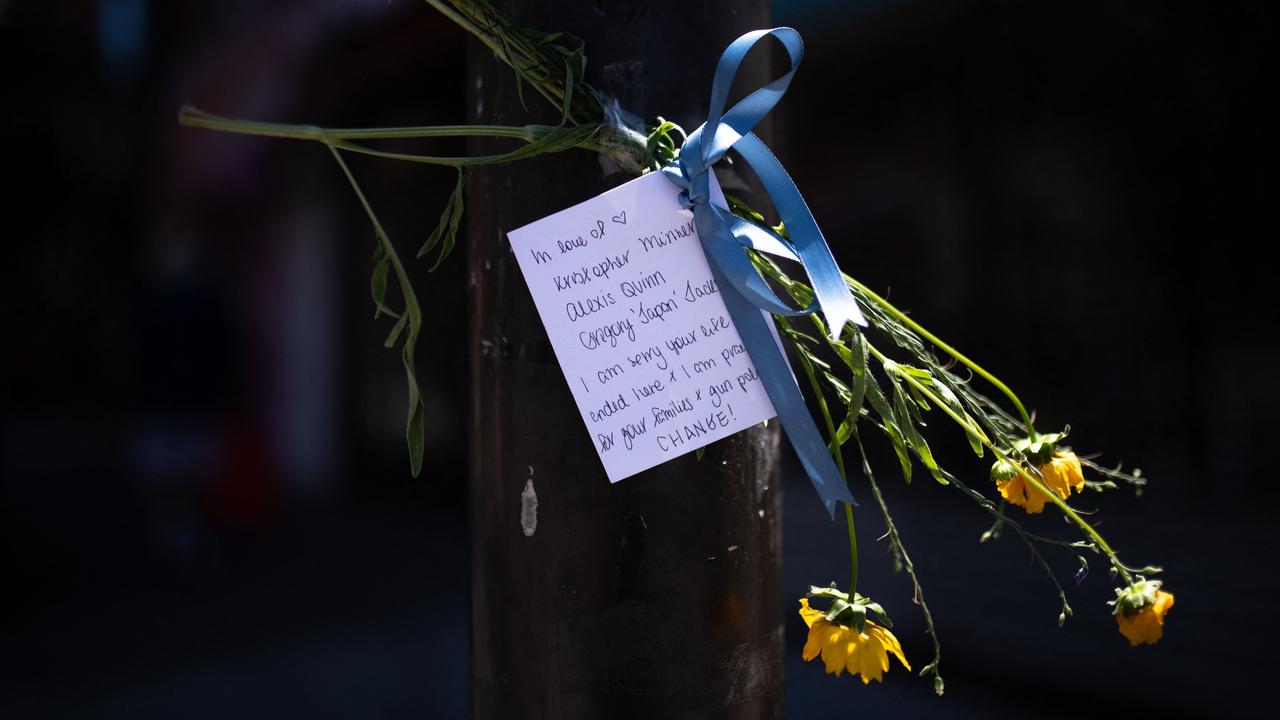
(862, 653)
(1061, 474)
(1140, 611)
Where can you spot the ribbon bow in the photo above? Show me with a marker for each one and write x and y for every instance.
(724, 235)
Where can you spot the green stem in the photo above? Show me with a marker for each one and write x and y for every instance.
(340, 138)
(412, 310)
(853, 550)
(457, 162)
(964, 359)
(1027, 477)
(552, 91)
(838, 453)
(905, 562)
(1067, 510)
(194, 117)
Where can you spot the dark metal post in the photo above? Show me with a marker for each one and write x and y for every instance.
(655, 597)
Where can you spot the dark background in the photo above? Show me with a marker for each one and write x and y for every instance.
(205, 507)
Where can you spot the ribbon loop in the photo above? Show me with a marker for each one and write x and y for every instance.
(726, 128)
(724, 235)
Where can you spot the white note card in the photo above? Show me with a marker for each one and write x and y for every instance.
(638, 325)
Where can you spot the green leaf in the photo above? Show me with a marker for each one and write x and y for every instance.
(887, 423)
(742, 209)
(837, 606)
(568, 92)
(521, 74)
(974, 433)
(412, 317)
(446, 231)
(858, 363)
(858, 617)
(912, 435)
(520, 92)
(915, 372)
(378, 284)
(848, 425)
(441, 226)
(414, 431)
(918, 399)
(811, 357)
(901, 413)
(975, 436)
(856, 360)
(799, 335)
(842, 390)
(926, 456)
(878, 615)
(908, 413)
(451, 237)
(394, 335)
(843, 433)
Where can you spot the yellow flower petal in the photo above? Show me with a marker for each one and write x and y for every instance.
(863, 654)
(1011, 489)
(813, 645)
(1140, 628)
(1146, 625)
(1075, 474)
(833, 649)
(1016, 491)
(1053, 479)
(872, 659)
(809, 614)
(1062, 474)
(890, 642)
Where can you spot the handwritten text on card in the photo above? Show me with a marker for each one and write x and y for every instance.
(638, 325)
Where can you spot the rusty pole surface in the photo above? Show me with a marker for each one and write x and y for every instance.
(655, 597)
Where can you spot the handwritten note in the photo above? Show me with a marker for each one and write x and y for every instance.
(638, 325)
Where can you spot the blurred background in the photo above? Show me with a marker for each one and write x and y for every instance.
(205, 504)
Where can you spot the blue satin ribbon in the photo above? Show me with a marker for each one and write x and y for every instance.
(724, 235)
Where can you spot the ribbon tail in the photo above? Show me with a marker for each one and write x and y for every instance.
(837, 303)
(775, 375)
(723, 236)
(757, 238)
(727, 259)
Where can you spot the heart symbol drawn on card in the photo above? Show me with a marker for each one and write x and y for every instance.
(621, 218)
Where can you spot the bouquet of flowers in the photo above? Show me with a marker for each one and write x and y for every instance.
(882, 380)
